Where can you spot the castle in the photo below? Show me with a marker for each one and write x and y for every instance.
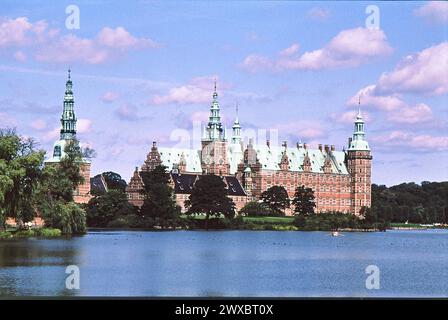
(68, 133)
(341, 180)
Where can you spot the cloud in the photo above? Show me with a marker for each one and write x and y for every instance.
(349, 116)
(20, 56)
(6, 121)
(39, 124)
(302, 129)
(412, 114)
(424, 72)
(110, 96)
(119, 38)
(197, 90)
(400, 141)
(349, 48)
(396, 109)
(83, 125)
(434, 11)
(20, 32)
(49, 46)
(51, 135)
(318, 14)
(127, 112)
(255, 62)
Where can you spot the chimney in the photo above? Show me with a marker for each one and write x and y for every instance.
(154, 144)
(305, 145)
(327, 148)
(299, 145)
(320, 146)
(332, 147)
(268, 143)
(285, 144)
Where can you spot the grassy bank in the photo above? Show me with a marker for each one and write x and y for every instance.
(31, 233)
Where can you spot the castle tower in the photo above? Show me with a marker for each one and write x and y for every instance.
(359, 164)
(152, 159)
(67, 134)
(214, 143)
(236, 130)
(284, 162)
(135, 188)
(182, 163)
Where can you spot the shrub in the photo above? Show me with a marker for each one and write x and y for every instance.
(48, 232)
(257, 209)
(25, 233)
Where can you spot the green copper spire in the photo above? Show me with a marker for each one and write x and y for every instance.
(68, 119)
(358, 141)
(236, 129)
(214, 129)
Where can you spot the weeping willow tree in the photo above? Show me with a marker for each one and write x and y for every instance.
(21, 166)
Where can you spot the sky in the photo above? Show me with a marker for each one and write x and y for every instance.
(144, 71)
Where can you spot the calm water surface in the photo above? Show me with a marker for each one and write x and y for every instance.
(229, 263)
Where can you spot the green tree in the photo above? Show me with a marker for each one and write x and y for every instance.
(276, 198)
(255, 208)
(113, 181)
(56, 190)
(20, 169)
(304, 201)
(209, 196)
(105, 208)
(159, 203)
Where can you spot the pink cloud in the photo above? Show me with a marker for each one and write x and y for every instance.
(6, 121)
(110, 96)
(302, 129)
(20, 56)
(13, 32)
(39, 124)
(293, 49)
(127, 112)
(119, 38)
(71, 48)
(109, 44)
(424, 72)
(200, 116)
(371, 99)
(84, 125)
(318, 14)
(197, 90)
(434, 11)
(411, 115)
(396, 109)
(399, 140)
(254, 62)
(349, 48)
(51, 135)
(349, 117)
(20, 32)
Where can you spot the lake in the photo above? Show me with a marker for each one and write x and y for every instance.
(229, 263)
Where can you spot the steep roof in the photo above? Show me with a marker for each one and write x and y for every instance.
(183, 183)
(270, 157)
(170, 156)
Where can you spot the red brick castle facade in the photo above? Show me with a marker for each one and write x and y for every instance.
(340, 179)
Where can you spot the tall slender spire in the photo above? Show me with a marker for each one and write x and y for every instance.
(358, 141)
(214, 129)
(68, 119)
(236, 128)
